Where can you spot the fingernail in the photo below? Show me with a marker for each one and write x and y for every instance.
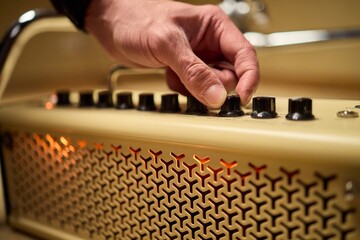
(248, 97)
(246, 101)
(215, 96)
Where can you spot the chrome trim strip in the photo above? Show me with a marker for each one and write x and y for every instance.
(279, 39)
(16, 29)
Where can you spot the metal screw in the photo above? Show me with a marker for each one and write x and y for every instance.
(347, 114)
(349, 191)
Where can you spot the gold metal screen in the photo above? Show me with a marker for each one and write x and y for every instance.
(125, 189)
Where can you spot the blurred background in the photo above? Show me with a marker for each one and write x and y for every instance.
(11, 10)
(284, 15)
(328, 68)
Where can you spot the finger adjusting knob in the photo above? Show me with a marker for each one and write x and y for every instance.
(105, 99)
(124, 100)
(63, 98)
(195, 107)
(231, 107)
(146, 102)
(86, 99)
(170, 103)
(263, 107)
(300, 109)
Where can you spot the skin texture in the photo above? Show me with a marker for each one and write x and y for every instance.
(203, 51)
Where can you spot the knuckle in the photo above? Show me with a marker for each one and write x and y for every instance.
(197, 77)
(247, 56)
(213, 9)
(214, 13)
(161, 38)
(193, 72)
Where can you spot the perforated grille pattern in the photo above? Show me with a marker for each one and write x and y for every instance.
(120, 191)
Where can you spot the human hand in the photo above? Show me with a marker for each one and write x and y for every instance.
(189, 40)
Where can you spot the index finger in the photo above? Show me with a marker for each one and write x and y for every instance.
(239, 51)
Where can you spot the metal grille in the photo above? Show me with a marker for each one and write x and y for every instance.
(119, 191)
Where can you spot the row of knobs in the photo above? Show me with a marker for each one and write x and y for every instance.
(299, 109)
(263, 107)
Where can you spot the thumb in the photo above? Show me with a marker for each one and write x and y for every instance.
(197, 77)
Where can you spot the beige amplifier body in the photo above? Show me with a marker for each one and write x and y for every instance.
(90, 173)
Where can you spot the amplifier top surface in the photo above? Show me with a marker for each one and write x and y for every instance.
(328, 135)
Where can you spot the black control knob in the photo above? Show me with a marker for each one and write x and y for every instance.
(170, 103)
(263, 107)
(86, 99)
(231, 107)
(146, 102)
(63, 98)
(105, 99)
(124, 100)
(300, 109)
(195, 107)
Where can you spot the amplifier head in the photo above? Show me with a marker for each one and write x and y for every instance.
(96, 173)
(93, 171)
